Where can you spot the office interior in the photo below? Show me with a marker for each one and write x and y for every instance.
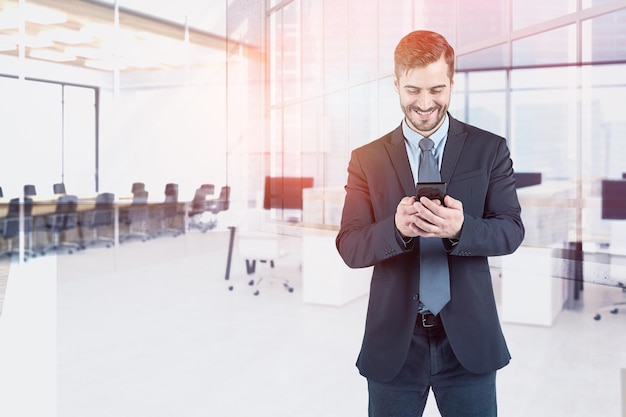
(268, 98)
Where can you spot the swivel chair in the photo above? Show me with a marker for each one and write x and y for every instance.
(102, 216)
(199, 207)
(169, 215)
(59, 188)
(30, 190)
(137, 186)
(60, 223)
(135, 217)
(217, 205)
(11, 227)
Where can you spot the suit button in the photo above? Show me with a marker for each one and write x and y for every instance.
(416, 297)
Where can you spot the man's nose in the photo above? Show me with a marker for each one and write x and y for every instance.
(423, 101)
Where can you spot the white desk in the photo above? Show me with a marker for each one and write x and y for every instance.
(531, 291)
(326, 279)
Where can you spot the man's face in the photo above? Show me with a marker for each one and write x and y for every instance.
(425, 96)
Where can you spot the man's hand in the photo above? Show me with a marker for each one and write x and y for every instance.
(428, 218)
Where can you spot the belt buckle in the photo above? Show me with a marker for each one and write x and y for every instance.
(424, 324)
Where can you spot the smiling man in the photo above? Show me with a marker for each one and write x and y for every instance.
(431, 321)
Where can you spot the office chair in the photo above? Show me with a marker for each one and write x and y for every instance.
(59, 188)
(103, 215)
(217, 205)
(199, 207)
(169, 215)
(612, 308)
(11, 227)
(264, 248)
(135, 217)
(60, 223)
(137, 186)
(30, 190)
(1, 193)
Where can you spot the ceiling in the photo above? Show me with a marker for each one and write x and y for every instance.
(85, 33)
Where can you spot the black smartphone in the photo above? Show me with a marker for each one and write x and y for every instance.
(432, 190)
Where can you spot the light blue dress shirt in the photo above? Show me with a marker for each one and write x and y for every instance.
(412, 139)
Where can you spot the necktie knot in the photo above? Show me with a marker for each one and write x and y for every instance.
(426, 144)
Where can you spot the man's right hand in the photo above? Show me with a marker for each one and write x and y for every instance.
(405, 217)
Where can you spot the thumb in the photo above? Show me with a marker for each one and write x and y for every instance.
(452, 203)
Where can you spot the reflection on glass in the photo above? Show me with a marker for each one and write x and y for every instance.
(291, 51)
(363, 55)
(482, 20)
(275, 58)
(292, 145)
(530, 12)
(494, 57)
(362, 105)
(439, 17)
(487, 101)
(336, 44)
(554, 47)
(604, 38)
(312, 47)
(336, 138)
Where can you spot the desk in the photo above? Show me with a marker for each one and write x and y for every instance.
(326, 279)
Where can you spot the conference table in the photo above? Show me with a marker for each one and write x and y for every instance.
(47, 206)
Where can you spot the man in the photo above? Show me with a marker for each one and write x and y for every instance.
(407, 349)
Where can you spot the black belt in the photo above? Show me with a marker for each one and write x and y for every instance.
(428, 320)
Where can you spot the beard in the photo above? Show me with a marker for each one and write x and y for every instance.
(425, 126)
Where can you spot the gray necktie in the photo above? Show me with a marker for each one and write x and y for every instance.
(434, 273)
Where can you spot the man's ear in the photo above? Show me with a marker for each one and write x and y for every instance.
(396, 86)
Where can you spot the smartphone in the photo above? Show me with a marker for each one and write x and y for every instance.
(432, 190)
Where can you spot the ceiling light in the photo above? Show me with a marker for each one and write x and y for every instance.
(70, 37)
(88, 52)
(50, 55)
(106, 64)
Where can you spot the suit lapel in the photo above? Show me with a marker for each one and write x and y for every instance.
(454, 146)
(396, 149)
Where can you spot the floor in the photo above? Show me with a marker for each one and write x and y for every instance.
(154, 329)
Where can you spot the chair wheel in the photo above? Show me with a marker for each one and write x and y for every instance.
(256, 292)
(230, 288)
(597, 317)
(251, 282)
(614, 311)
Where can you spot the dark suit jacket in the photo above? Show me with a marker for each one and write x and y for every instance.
(479, 172)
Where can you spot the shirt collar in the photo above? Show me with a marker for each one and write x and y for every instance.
(437, 137)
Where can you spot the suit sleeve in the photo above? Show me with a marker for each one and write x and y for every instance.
(492, 225)
(367, 234)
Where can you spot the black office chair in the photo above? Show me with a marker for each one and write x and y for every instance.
(59, 188)
(170, 217)
(61, 223)
(11, 228)
(30, 190)
(135, 217)
(137, 186)
(101, 217)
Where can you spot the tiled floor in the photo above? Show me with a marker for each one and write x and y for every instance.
(152, 329)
